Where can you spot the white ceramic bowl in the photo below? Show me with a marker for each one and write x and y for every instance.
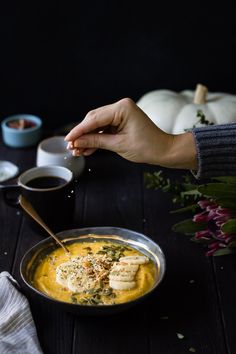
(7, 170)
(53, 151)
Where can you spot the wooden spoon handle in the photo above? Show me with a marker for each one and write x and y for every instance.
(27, 206)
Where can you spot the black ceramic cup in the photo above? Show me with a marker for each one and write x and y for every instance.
(50, 190)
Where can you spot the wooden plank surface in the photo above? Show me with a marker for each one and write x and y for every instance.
(186, 302)
(113, 198)
(197, 295)
(225, 270)
(55, 328)
(11, 218)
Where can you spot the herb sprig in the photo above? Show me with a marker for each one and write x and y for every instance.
(184, 191)
(201, 120)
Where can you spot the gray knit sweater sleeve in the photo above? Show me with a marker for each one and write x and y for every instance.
(216, 150)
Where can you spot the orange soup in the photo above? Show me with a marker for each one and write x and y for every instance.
(95, 273)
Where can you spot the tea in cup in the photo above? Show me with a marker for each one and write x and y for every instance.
(50, 190)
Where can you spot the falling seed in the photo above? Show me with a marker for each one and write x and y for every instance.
(18, 212)
(72, 192)
(65, 157)
(192, 350)
(5, 253)
(191, 281)
(222, 267)
(89, 170)
(180, 335)
(164, 318)
(68, 196)
(144, 220)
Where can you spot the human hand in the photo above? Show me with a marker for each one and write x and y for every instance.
(124, 128)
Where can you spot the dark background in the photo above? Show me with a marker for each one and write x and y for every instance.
(60, 59)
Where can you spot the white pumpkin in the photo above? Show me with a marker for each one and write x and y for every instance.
(175, 112)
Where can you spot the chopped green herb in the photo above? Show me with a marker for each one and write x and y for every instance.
(109, 292)
(113, 251)
(102, 252)
(95, 300)
(74, 299)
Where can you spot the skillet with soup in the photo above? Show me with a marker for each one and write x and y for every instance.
(109, 270)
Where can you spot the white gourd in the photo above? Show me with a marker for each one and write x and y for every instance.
(175, 112)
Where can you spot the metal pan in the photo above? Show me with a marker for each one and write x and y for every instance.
(124, 236)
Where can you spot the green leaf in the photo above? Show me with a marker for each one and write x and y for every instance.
(189, 227)
(191, 192)
(229, 227)
(218, 190)
(189, 186)
(227, 203)
(226, 179)
(224, 252)
(232, 244)
(192, 208)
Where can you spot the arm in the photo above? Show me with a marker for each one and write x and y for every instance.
(124, 128)
(216, 150)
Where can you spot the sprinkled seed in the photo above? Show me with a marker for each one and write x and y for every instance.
(180, 335)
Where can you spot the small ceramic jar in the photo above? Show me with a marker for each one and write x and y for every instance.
(21, 130)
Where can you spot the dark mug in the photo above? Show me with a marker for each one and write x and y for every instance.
(50, 190)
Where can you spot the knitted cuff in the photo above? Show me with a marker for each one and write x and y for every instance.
(216, 150)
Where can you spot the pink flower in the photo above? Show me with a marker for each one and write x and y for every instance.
(214, 216)
(205, 234)
(201, 217)
(204, 204)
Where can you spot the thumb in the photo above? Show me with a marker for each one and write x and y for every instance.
(96, 141)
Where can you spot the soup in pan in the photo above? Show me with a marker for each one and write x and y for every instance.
(95, 273)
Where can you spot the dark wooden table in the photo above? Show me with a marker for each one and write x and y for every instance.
(196, 298)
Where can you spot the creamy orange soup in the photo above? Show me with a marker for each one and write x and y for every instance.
(95, 273)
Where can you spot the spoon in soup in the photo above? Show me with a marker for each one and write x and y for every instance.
(27, 206)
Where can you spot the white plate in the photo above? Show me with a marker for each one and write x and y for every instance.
(7, 170)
